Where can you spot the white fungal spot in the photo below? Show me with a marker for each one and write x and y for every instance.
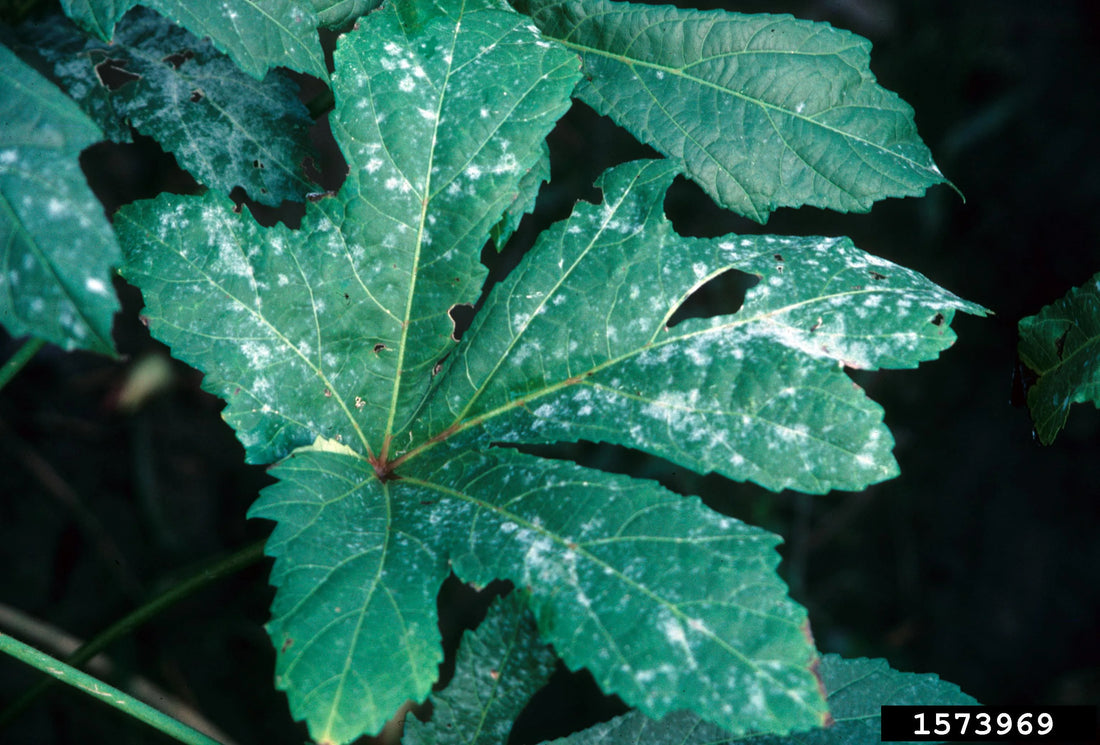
(92, 284)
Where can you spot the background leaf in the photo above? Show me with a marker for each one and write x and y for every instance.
(1061, 344)
(56, 247)
(336, 13)
(856, 691)
(777, 409)
(226, 128)
(257, 35)
(60, 51)
(761, 111)
(498, 668)
(97, 17)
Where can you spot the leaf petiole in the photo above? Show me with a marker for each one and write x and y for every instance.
(108, 694)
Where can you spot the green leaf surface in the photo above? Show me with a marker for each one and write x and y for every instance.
(56, 247)
(257, 34)
(337, 13)
(226, 128)
(762, 111)
(667, 603)
(857, 689)
(526, 195)
(97, 17)
(1061, 344)
(333, 340)
(498, 668)
(760, 394)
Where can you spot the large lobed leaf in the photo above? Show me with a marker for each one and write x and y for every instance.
(762, 111)
(226, 128)
(1061, 345)
(56, 247)
(333, 348)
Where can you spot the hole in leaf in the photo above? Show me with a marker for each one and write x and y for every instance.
(196, 96)
(461, 316)
(938, 319)
(876, 276)
(176, 60)
(1060, 343)
(723, 295)
(257, 164)
(112, 74)
(379, 347)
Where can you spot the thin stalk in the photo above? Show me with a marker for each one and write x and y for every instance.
(234, 562)
(21, 357)
(108, 694)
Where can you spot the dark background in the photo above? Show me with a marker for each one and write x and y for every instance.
(978, 563)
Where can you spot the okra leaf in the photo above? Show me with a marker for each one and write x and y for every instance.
(224, 127)
(333, 347)
(669, 604)
(336, 13)
(758, 395)
(1061, 345)
(499, 666)
(97, 17)
(56, 248)
(256, 35)
(762, 111)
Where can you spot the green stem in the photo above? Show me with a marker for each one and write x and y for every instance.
(234, 562)
(21, 357)
(108, 694)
